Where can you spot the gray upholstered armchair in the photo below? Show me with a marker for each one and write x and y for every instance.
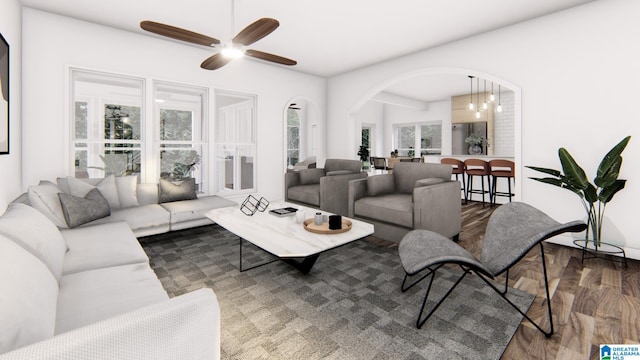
(414, 196)
(324, 188)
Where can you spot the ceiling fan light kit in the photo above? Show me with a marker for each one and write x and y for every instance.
(233, 49)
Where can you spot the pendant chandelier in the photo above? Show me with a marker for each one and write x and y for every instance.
(485, 104)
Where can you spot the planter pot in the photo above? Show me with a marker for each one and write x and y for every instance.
(475, 150)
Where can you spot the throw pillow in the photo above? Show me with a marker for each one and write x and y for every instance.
(311, 176)
(78, 211)
(127, 192)
(168, 191)
(81, 187)
(44, 198)
(32, 230)
(380, 184)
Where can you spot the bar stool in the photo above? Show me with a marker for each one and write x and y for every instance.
(478, 167)
(458, 169)
(501, 169)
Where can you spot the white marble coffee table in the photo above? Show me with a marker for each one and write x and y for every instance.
(284, 237)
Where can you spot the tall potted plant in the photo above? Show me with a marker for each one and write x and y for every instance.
(363, 153)
(594, 197)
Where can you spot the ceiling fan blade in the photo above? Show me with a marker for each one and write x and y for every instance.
(256, 31)
(270, 57)
(215, 61)
(178, 33)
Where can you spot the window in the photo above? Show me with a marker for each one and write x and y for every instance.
(181, 137)
(293, 136)
(107, 124)
(235, 149)
(367, 138)
(112, 133)
(429, 141)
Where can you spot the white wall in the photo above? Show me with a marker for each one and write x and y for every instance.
(52, 42)
(10, 165)
(579, 73)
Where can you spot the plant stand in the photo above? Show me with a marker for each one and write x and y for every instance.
(591, 251)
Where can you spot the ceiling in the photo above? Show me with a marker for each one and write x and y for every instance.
(326, 37)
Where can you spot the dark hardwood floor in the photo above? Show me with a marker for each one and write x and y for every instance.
(595, 302)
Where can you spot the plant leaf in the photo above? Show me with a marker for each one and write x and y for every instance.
(574, 174)
(610, 165)
(559, 183)
(590, 194)
(552, 172)
(606, 194)
(607, 178)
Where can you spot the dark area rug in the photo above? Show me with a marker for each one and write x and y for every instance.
(348, 307)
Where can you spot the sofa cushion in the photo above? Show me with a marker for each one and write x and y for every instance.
(32, 230)
(127, 192)
(147, 193)
(80, 188)
(139, 217)
(394, 208)
(100, 246)
(90, 296)
(44, 198)
(169, 191)
(28, 295)
(188, 210)
(308, 194)
(310, 176)
(81, 210)
(380, 185)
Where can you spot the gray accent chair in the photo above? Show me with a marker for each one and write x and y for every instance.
(513, 230)
(414, 196)
(324, 188)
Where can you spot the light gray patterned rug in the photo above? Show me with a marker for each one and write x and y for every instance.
(348, 307)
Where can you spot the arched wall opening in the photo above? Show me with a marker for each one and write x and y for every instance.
(355, 124)
(311, 138)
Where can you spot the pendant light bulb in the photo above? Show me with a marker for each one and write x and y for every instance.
(485, 106)
(492, 97)
(478, 114)
(499, 108)
(471, 106)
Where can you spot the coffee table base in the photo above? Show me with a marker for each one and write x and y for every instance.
(304, 265)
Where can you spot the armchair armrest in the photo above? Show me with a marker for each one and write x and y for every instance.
(357, 190)
(183, 327)
(290, 179)
(334, 192)
(437, 208)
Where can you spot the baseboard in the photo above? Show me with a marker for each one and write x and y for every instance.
(568, 241)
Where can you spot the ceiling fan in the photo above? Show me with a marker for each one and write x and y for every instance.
(228, 50)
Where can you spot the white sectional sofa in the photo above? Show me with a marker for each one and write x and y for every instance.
(88, 292)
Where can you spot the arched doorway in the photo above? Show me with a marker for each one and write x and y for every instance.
(303, 134)
(433, 77)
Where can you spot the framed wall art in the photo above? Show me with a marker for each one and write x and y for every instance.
(4, 96)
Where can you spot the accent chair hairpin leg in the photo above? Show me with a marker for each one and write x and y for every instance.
(547, 334)
(420, 321)
(406, 276)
